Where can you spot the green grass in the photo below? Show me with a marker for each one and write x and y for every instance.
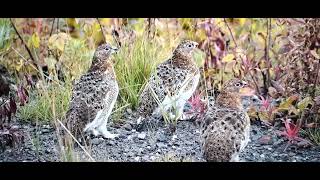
(44, 100)
(313, 134)
(133, 65)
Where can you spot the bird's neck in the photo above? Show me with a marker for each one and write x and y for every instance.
(182, 60)
(229, 100)
(102, 65)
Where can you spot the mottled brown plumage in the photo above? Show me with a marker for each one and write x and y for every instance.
(226, 125)
(93, 96)
(172, 84)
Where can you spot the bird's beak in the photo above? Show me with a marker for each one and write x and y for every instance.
(115, 49)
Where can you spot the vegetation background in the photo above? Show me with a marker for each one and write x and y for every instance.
(40, 59)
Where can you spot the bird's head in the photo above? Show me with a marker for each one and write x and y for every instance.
(231, 93)
(104, 51)
(186, 47)
(238, 87)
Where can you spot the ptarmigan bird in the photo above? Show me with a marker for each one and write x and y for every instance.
(94, 96)
(225, 127)
(171, 85)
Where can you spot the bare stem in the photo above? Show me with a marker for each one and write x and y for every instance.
(102, 31)
(25, 45)
(225, 21)
(54, 19)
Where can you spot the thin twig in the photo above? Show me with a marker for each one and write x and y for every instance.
(268, 55)
(54, 19)
(25, 45)
(225, 21)
(102, 31)
(58, 24)
(64, 127)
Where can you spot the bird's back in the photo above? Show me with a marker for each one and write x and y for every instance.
(224, 133)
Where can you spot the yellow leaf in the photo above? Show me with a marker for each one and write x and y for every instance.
(35, 40)
(242, 21)
(228, 58)
(199, 57)
(51, 62)
(58, 41)
(286, 104)
(229, 66)
(72, 22)
(105, 21)
(293, 110)
(97, 33)
(19, 65)
(264, 116)
(304, 103)
(87, 30)
(252, 113)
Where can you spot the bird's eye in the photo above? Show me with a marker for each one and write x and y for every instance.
(190, 46)
(238, 84)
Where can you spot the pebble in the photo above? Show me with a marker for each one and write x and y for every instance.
(161, 145)
(96, 141)
(292, 154)
(174, 137)
(162, 138)
(265, 140)
(111, 143)
(129, 111)
(137, 158)
(142, 135)
(145, 158)
(47, 151)
(127, 127)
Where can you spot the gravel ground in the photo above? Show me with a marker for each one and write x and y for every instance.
(157, 145)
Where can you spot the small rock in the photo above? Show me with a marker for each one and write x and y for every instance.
(129, 111)
(292, 154)
(45, 130)
(137, 158)
(127, 127)
(265, 140)
(161, 145)
(131, 154)
(111, 143)
(152, 158)
(162, 138)
(145, 158)
(96, 141)
(142, 135)
(174, 137)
